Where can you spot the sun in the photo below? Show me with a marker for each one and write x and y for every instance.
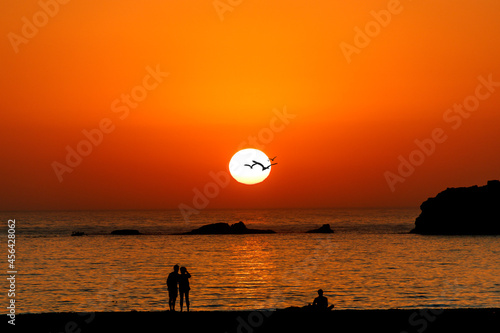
(244, 169)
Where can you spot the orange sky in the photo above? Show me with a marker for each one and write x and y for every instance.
(66, 68)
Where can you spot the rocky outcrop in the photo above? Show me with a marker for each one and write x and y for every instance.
(462, 211)
(126, 232)
(226, 229)
(324, 229)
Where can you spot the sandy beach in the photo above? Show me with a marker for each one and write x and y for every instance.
(415, 320)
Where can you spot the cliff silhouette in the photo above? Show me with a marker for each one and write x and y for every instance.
(471, 210)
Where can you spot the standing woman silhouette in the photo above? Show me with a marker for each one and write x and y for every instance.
(184, 286)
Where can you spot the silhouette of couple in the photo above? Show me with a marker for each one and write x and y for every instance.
(174, 279)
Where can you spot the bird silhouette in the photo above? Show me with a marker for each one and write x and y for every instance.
(272, 159)
(251, 166)
(267, 167)
(262, 165)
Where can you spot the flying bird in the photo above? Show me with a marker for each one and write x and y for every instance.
(251, 166)
(262, 165)
(272, 159)
(267, 167)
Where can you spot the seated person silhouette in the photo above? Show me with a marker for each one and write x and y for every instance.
(321, 302)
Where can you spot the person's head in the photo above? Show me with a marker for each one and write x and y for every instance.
(176, 268)
(320, 292)
(183, 270)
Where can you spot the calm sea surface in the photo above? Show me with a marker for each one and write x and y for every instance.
(370, 262)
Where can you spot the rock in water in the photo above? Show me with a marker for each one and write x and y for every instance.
(461, 211)
(238, 228)
(126, 232)
(226, 229)
(324, 229)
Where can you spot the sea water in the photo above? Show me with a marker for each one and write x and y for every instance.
(370, 262)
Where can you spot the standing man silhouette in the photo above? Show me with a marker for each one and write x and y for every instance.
(172, 280)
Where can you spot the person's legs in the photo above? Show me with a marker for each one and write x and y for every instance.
(171, 300)
(187, 300)
(182, 296)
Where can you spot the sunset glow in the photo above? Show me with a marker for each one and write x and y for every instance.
(266, 166)
(110, 105)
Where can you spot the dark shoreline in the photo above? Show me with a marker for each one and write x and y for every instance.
(394, 320)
